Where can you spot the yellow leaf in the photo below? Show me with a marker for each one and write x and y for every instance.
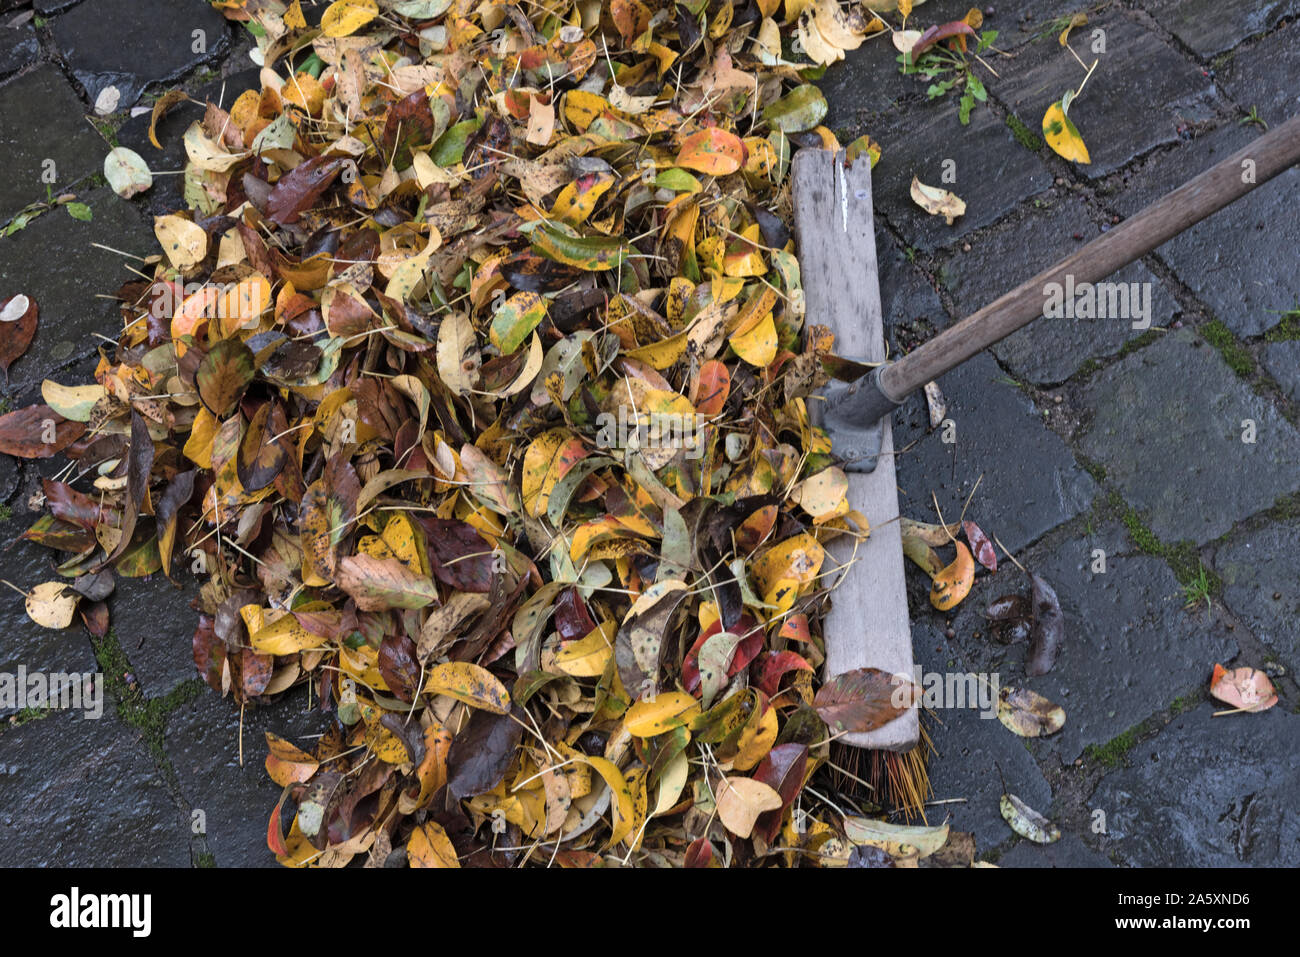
(755, 741)
(663, 712)
(293, 18)
(284, 636)
(587, 657)
(470, 683)
(758, 345)
(346, 17)
(953, 583)
(1062, 136)
(52, 605)
(937, 202)
(183, 240)
(623, 805)
(286, 763)
(798, 558)
(1078, 20)
(429, 846)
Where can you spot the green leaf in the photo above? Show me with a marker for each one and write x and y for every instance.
(800, 109)
(590, 253)
(80, 211)
(450, 148)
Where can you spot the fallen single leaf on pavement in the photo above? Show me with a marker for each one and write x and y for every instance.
(937, 202)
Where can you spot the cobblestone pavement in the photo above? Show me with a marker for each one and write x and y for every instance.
(1091, 438)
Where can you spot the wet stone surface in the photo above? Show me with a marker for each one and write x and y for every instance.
(1208, 792)
(1069, 851)
(1241, 261)
(869, 82)
(1142, 91)
(85, 793)
(44, 138)
(54, 262)
(1209, 27)
(1265, 77)
(1117, 622)
(1050, 350)
(203, 745)
(1282, 360)
(155, 625)
(1031, 481)
(25, 643)
(982, 163)
(1261, 587)
(1168, 429)
(970, 747)
(132, 43)
(18, 47)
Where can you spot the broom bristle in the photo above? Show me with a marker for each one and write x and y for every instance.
(893, 780)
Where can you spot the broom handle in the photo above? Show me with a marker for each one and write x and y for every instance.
(1224, 183)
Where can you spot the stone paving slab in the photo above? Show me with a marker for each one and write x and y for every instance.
(1168, 430)
(1022, 495)
(155, 624)
(203, 746)
(1141, 93)
(971, 748)
(22, 641)
(105, 42)
(1261, 587)
(86, 794)
(1050, 350)
(1282, 360)
(53, 261)
(1069, 851)
(1031, 481)
(1265, 75)
(18, 47)
(1131, 648)
(42, 120)
(1241, 261)
(869, 82)
(1209, 27)
(982, 163)
(1208, 792)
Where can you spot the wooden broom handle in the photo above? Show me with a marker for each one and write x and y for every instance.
(1224, 183)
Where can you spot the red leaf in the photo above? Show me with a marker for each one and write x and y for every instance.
(299, 188)
(959, 29)
(16, 329)
(980, 546)
(782, 770)
(24, 433)
(777, 666)
(864, 699)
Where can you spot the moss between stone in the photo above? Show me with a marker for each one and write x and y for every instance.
(1287, 330)
(1023, 134)
(1138, 342)
(1285, 508)
(1234, 353)
(148, 715)
(1112, 753)
(1182, 557)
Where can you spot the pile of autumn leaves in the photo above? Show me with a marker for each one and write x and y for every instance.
(474, 382)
